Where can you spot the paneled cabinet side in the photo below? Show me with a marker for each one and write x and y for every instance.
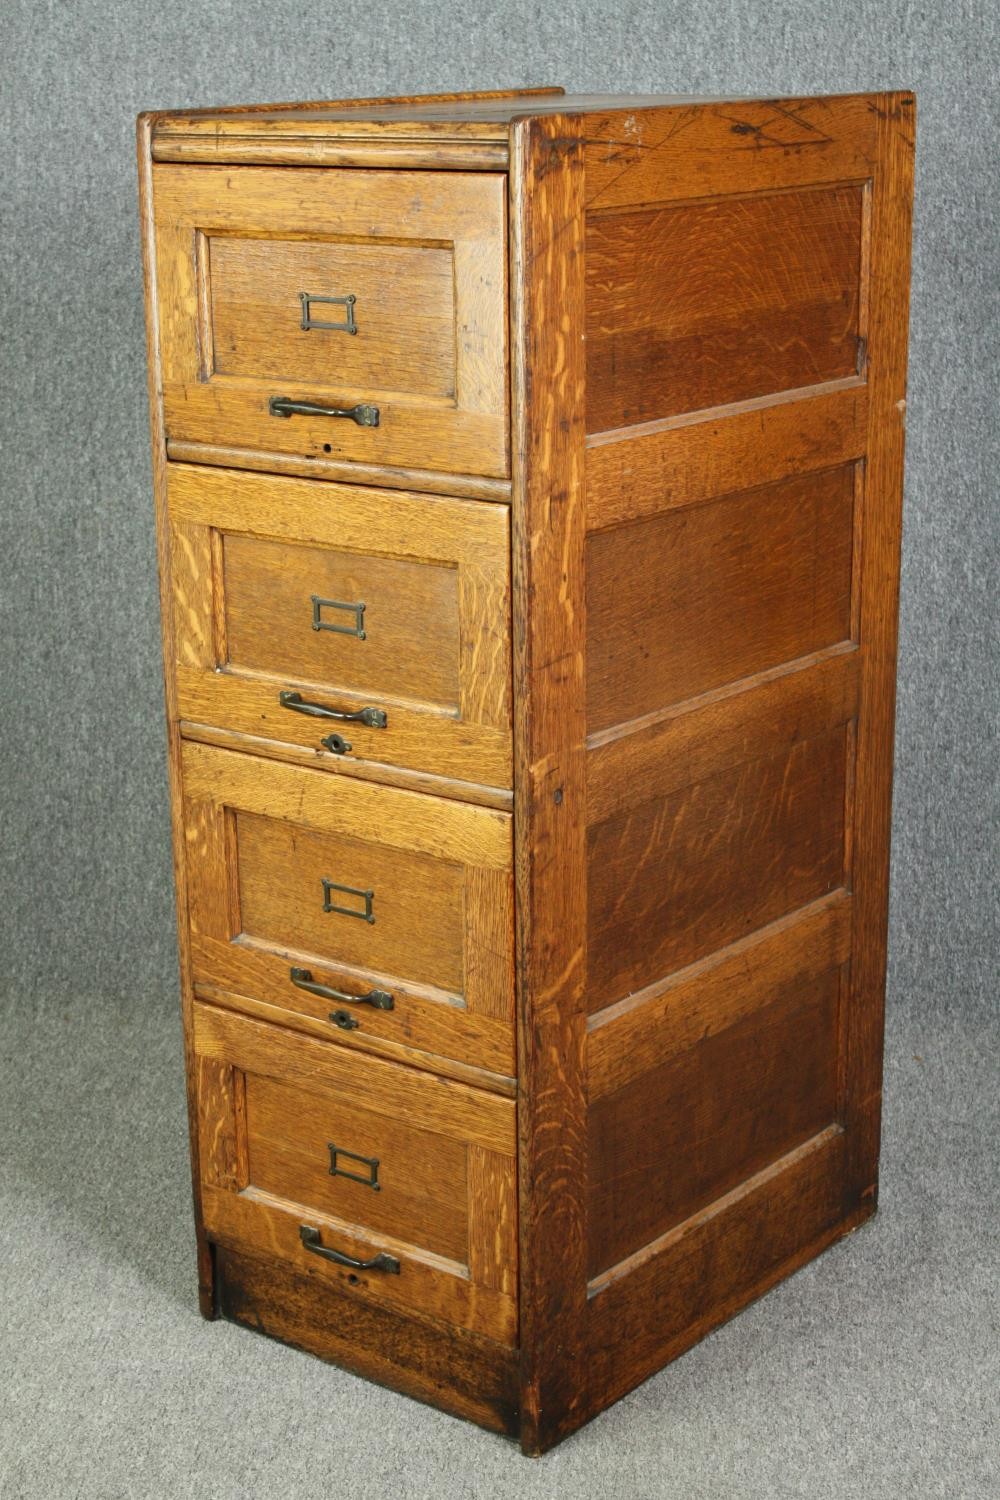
(546, 196)
(144, 129)
(746, 294)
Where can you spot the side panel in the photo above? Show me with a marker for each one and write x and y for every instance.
(746, 337)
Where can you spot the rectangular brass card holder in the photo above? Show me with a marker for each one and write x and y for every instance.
(349, 324)
(366, 897)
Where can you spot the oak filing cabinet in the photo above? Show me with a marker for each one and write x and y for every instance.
(528, 472)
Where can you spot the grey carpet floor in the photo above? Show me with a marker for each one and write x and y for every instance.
(872, 1373)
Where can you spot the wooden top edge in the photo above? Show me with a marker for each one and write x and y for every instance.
(476, 117)
(456, 118)
(377, 102)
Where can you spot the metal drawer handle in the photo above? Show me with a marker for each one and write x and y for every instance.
(382, 1262)
(303, 980)
(375, 718)
(284, 406)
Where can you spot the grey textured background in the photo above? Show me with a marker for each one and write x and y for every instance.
(869, 1373)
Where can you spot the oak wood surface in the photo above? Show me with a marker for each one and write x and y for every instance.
(692, 599)
(471, 1376)
(706, 1116)
(671, 1016)
(321, 465)
(312, 1017)
(644, 470)
(421, 1196)
(699, 304)
(891, 213)
(409, 1135)
(500, 798)
(548, 372)
(404, 313)
(781, 1001)
(674, 878)
(440, 1105)
(250, 554)
(695, 736)
(262, 837)
(278, 225)
(703, 148)
(647, 1312)
(417, 903)
(690, 742)
(429, 1286)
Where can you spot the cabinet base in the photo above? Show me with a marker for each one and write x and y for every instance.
(466, 1376)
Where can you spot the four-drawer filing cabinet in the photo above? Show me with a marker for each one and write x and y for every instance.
(528, 472)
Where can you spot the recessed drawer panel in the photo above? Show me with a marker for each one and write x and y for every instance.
(381, 914)
(356, 623)
(341, 315)
(396, 1184)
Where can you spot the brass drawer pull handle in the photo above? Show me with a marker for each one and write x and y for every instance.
(375, 718)
(382, 1262)
(284, 406)
(303, 980)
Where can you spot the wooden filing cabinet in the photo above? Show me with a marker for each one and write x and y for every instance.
(528, 472)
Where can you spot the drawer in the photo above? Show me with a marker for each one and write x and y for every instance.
(300, 605)
(328, 1158)
(311, 892)
(380, 293)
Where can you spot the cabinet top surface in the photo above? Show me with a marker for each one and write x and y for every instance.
(470, 117)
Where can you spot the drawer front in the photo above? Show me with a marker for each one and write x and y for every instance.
(301, 605)
(383, 914)
(338, 289)
(324, 1157)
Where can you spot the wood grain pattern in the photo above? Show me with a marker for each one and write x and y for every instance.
(690, 742)
(641, 471)
(706, 148)
(689, 1100)
(422, 1197)
(263, 149)
(312, 1016)
(472, 1377)
(692, 599)
(324, 466)
(691, 1006)
(405, 313)
(700, 304)
(708, 1115)
(434, 578)
(412, 630)
(493, 1236)
(262, 838)
(406, 820)
(892, 197)
(440, 1105)
(353, 211)
(499, 798)
(222, 1143)
(428, 1286)
(417, 902)
(547, 320)
(300, 1098)
(649, 1310)
(674, 878)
